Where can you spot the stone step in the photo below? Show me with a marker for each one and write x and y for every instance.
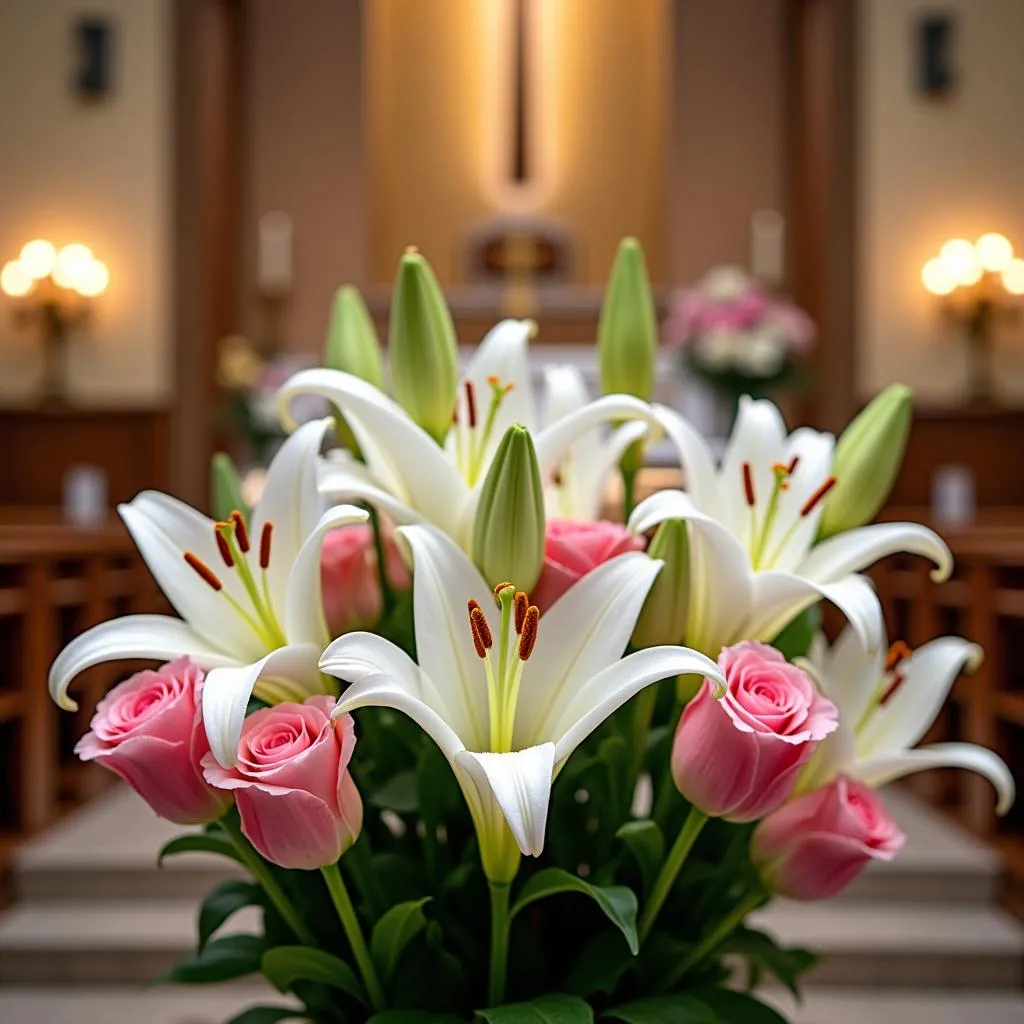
(922, 945)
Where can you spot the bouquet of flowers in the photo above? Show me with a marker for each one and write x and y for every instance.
(736, 337)
(485, 752)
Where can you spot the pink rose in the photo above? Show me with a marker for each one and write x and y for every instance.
(349, 578)
(738, 758)
(149, 730)
(814, 846)
(298, 804)
(572, 549)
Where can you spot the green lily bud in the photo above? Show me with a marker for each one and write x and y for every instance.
(868, 456)
(421, 346)
(352, 343)
(508, 533)
(226, 488)
(627, 333)
(663, 617)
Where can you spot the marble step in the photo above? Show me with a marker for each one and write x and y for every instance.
(898, 1006)
(922, 945)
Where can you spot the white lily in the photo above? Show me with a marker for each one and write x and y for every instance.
(252, 613)
(407, 475)
(886, 705)
(575, 490)
(508, 707)
(753, 523)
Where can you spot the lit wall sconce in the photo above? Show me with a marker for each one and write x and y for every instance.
(54, 289)
(977, 281)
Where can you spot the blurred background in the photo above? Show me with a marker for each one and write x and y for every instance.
(185, 183)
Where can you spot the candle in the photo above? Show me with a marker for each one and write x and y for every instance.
(768, 246)
(274, 271)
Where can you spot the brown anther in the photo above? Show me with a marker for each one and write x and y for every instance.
(813, 501)
(222, 544)
(793, 463)
(783, 485)
(897, 681)
(748, 484)
(556, 478)
(500, 587)
(899, 651)
(470, 403)
(241, 531)
(528, 635)
(203, 570)
(483, 641)
(265, 535)
(521, 606)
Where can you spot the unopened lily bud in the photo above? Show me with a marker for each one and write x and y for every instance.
(352, 343)
(508, 533)
(226, 488)
(421, 346)
(663, 617)
(627, 334)
(868, 456)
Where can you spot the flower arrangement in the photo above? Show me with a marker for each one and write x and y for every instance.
(736, 337)
(485, 753)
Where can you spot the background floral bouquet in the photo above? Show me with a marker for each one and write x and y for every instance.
(483, 752)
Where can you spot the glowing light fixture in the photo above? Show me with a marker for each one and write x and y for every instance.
(72, 265)
(994, 251)
(937, 278)
(37, 257)
(1013, 276)
(960, 261)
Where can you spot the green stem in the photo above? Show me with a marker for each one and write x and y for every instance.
(349, 921)
(695, 821)
(499, 942)
(261, 871)
(643, 711)
(715, 937)
(628, 492)
(386, 593)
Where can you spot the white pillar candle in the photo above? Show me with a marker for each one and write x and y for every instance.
(768, 246)
(274, 269)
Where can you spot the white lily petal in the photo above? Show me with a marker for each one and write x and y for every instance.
(149, 519)
(780, 596)
(226, 693)
(304, 621)
(351, 481)
(908, 714)
(444, 580)
(565, 391)
(607, 691)
(159, 637)
(879, 771)
(850, 675)
(857, 549)
(292, 504)
(402, 451)
(588, 470)
(520, 783)
(695, 458)
(587, 628)
(504, 354)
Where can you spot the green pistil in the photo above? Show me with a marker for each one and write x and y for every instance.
(478, 445)
(271, 631)
(781, 474)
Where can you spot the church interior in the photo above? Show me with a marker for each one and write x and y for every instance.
(185, 185)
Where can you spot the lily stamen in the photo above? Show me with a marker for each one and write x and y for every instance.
(470, 404)
(223, 547)
(816, 498)
(241, 531)
(748, 484)
(521, 607)
(897, 681)
(265, 537)
(898, 653)
(528, 634)
(483, 640)
(203, 571)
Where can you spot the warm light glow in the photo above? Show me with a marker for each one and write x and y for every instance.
(93, 279)
(935, 276)
(72, 265)
(994, 251)
(15, 279)
(1013, 276)
(960, 261)
(37, 257)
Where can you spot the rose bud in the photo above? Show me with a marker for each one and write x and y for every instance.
(349, 580)
(298, 804)
(738, 757)
(572, 549)
(149, 730)
(815, 845)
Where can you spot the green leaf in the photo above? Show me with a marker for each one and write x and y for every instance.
(222, 902)
(415, 1017)
(765, 954)
(618, 902)
(736, 1007)
(285, 965)
(647, 844)
(600, 966)
(555, 1009)
(398, 794)
(205, 842)
(676, 1009)
(232, 956)
(394, 931)
(795, 639)
(226, 487)
(267, 1015)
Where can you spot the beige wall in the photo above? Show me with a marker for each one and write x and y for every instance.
(930, 171)
(98, 174)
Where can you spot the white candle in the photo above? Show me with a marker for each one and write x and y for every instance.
(768, 246)
(274, 269)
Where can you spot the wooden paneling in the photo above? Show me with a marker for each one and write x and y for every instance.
(40, 445)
